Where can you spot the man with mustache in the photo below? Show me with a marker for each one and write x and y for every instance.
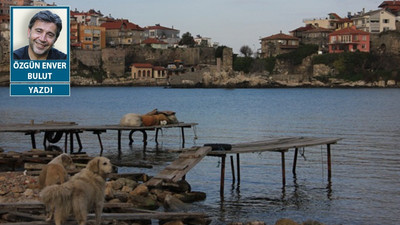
(44, 29)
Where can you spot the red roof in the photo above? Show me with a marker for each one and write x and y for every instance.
(119, 24)
(142, 65)
(305, 28)
(349, 30)
(280, 36)
(153, 41)
(392, 5)
(336, 16)
(158, 27)
(319, 30)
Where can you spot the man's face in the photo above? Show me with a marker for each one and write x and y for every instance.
(42, 37)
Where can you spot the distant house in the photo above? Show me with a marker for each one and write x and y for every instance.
(349, 40)
(123, 32)
(278, 44)
(298, 32)
(145, 72)
(333, 21)
(90, 18)
(203, 41)
(168, 35)
(317, 36)
(154, 43)
(375, 21)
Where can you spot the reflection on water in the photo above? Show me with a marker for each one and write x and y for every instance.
(364, 188)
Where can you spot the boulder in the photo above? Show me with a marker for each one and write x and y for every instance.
(286, 221)
(142, 189)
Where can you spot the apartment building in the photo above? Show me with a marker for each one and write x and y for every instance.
(349, 40)
(375, 21)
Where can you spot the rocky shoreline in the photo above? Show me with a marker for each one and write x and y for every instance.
(18, 187)
(238, 82)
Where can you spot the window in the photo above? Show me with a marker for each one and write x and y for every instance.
(364, 37)
(385, 20)
(88, 38)
(363, 46)
(87, 31)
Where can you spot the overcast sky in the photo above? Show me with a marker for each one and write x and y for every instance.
(232, 23)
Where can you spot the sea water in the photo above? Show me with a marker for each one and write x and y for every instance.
(365, 184)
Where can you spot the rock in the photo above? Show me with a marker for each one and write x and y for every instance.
(118, 184)
(17, 189)
(172, 203)
(286, 221)
(191, 196)
(126, 189)
(131, 183)
(180, 186)
(175, 222)
(109, 191)
(122, 196)
(312, 222)
(256, 223)
(28, 193)
(142, 189)
(144, 202)
(161, 194)
(115, 200)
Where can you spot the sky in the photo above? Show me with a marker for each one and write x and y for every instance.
(233, 23)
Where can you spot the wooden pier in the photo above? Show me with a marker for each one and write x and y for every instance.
(281, 145)
(54, 131)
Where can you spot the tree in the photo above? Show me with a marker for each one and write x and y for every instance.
(187, 39)
(246, 51)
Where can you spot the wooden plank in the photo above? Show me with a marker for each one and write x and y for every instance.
(280, 145)
(178, 168)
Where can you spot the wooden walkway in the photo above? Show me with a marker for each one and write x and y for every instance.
(53, 132)
(281, 145)
(18, 212)
(178, 168)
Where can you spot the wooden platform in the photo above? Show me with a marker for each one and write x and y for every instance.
(53, 129)
(22, 212)
(178, 168)
(281, 145)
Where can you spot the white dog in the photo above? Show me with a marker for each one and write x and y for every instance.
(84, 191)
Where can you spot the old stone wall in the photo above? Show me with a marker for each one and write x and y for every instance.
(386, 42)
(113, 62)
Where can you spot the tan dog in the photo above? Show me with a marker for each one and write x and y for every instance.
(84, 191)
(55, 172)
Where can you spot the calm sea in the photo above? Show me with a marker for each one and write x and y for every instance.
(365, 184)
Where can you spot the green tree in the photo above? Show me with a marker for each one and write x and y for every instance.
(187, 39)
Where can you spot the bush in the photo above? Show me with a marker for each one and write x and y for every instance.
(296, 57)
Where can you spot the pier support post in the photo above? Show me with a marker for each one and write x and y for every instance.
(328, 148)
(283, 168)
(33, 140)
(183, 137)
(238, 167)
(221, 189)
(233, 170)
(295, 161)
(119, 143)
